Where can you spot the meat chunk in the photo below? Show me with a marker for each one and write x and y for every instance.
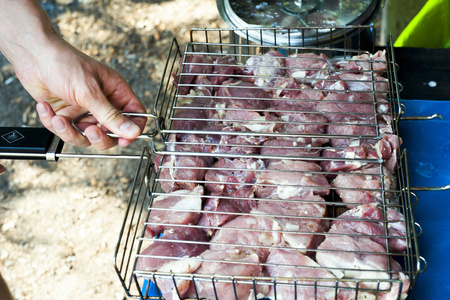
(349, 255)
(370, 221)
(174, 252)
(224, 67)
(355, 133)
(365, 62)
(191, 67)
(288, 91)
(223, 207)
(283, 263)
(348, 159)
(300, 65)
(365, 186)
(248, 233)
(266, 67)
(182, 207)
(182, 171)
(227, 175)
(242, 95)
(232, 263)
(300, 219)
(290, 178)
(346, 107)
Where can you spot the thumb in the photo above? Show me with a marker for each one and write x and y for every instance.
(111, 118)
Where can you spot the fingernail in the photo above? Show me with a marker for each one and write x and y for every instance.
(58, 125)
(93, 136)
(129, 129)
(42, 109)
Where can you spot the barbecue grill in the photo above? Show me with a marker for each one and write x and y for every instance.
(148, 187)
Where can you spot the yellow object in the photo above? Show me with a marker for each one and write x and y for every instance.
(430, 28)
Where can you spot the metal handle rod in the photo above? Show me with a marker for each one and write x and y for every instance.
(430, 188)
(434, 116)
(148, 135)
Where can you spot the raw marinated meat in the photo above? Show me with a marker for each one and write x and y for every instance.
(248, 233)
(345, 107)
(365, 187)
(265, 67)
(170, 254)
(192, 66)
(181, 207)
(349, 255)
(232, 263)
(242, 95)
(300, 219)
(182, 171)
(300, 65)
(348, 159)
(224, 67)
(225, 207)
(355, 133)
(228, 175)
(288, 91)
(291, 178)
(365, 82)
(368, 220)
(365, 62)
(293, 264)
(289, 147)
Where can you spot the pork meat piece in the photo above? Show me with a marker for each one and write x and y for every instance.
(229, 263)
(355, 133)
(365, 82)
(365, 62)
(300, 218)
(288, 91)
(265, 67)
(300, 65)
(365, 186)
(291, 178)
(220, 208)
(303, 123)
(242, 95)
(327, 83)
(349, 255)
(192, 66)
(289, 147)
(224, 67)
(182, 171)
(228, 175)
(248, 233)
(182, 207)
(174, 252)
(228, 139)
(348, 159)
(387, 148)
(345, 107)
(284, 263)
(254, 121)
(370, 221)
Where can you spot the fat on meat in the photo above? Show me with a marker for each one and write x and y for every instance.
(370, 221)
(350, 255)
(220, 208)
(265, 68)
(290, 178)
(365, 62)
(227, 175)
(287, 263)
(366, 186)
(365, 82)
(177, 251)
(348, 159)
(300, 65)
(233, 263)
(300, 218)
(248, 233)
(182, 207)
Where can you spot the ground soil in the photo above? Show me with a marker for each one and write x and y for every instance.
(60, 222)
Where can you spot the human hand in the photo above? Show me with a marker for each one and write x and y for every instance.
(65, 82)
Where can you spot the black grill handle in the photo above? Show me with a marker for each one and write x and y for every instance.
(33, 143)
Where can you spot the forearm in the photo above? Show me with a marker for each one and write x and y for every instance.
(26, 31)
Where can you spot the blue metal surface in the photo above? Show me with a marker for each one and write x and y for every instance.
(428, 144)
